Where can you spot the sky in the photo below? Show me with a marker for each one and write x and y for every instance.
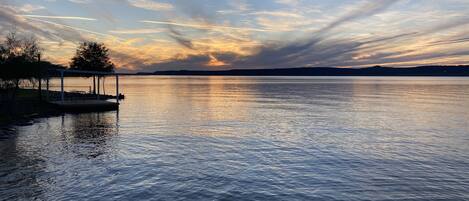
(151, 35)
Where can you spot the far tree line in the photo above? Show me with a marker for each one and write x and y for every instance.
(20, 61)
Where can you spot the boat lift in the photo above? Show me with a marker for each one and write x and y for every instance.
(83, 102)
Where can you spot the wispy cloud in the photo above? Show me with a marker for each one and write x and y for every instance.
(75, 28)
(288, 2)
(25, 8)
(180, 39)
(28, 8)
(277, 14)
(9, 18)
(60, 17)
(80, 1)
(366, 10)
(151, 5)
(137, 31)
(206, 26)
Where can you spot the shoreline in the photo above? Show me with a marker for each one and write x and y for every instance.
(38, 109)
(27, 107)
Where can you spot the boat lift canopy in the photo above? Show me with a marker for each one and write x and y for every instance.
(86, 73)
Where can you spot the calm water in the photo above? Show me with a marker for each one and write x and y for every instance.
(251, 138)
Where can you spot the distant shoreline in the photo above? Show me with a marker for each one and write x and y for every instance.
(436, 71)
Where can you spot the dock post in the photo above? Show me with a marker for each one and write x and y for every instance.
(117, 88)
(40, 77)
(47, 88)
(62, 97)
(40, 88)
(99, 87)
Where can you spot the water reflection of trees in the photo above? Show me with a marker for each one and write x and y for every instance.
(91, 134)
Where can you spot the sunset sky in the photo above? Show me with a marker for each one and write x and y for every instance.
(149, 35)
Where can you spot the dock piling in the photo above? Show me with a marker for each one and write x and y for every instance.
(62, 95)
(117, 88)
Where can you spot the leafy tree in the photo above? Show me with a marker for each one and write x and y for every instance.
(92, 56)
(18, 60)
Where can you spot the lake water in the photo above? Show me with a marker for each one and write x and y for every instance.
(251, 138)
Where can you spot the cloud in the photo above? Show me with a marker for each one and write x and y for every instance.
(284, 25)
(126, 61)
(25, 8)
(60, 17)
(449, 24)
(28, 8)
(326, 50)
(180, 39)
(277, 14)
(317, 52)
(192, 62)
(75, 29)
(246, 34)
(366, 10)
(52, 35)
(240, 5)
(288, 2)
(206, 26)
(80, 1)
(450, 41)
(10, 18)
(151, 5)
(137, 31)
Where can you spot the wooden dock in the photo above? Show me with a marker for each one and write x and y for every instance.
(84, 102)
(85, 105)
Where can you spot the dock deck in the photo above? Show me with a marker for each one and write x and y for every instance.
(85, 105)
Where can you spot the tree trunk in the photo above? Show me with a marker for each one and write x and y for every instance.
(47, 88)
(40, 89)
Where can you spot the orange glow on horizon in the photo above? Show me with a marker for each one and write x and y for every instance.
(214, 62)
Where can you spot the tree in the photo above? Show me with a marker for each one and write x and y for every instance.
(92, 56)
(18, 60)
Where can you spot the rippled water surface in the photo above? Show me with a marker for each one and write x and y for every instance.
(251, 138)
